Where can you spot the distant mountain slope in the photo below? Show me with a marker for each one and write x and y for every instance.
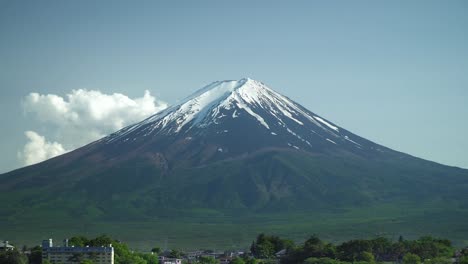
(233, 147)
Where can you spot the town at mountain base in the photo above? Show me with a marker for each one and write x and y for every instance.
(265, 249)
(234, 157)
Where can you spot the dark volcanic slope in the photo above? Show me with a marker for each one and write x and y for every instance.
(233, 145)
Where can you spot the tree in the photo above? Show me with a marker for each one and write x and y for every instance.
(428, 247)
(262, 247)
(207, 260)
(401, 239)
(87, 261)
(156, 250)
(150, 258)
(381, 249)
(78, 241)
(314, 247)
(266, 249)
(367, 257)
(175, 253)
(12, 257)
(130, 259)
(463, 260)
(36, 255)
(101, 241)
(253, 247)
(237, 260)
(266, 246)
(249, 260)
(411, 258)
(397, 251)
(353, 250)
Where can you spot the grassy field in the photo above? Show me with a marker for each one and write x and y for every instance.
(209, 229)
(344, 199)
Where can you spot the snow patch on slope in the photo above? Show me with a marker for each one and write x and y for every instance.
(326, 123)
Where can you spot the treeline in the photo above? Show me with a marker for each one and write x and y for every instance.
(426, 250)
(274, 249)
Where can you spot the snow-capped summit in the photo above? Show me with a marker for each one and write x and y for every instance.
(204, 106)
(247, 113)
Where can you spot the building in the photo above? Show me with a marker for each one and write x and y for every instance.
(69, 254)
(5, 246)
(166, 260)
(281, 253)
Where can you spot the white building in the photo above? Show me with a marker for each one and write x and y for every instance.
(70, 255)
(5, 246)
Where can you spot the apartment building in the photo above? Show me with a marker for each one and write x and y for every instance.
(70, 255)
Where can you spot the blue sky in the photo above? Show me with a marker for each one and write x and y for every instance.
(395, 72)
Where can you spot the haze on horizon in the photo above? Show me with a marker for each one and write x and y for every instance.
(392, 72)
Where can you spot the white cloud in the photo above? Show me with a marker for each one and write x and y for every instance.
(86, 115)
(38, 149)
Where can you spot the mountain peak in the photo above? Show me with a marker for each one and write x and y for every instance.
(241, 109)
(220, 88)
(208, 102)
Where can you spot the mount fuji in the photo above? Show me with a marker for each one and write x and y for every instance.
(238, 150)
